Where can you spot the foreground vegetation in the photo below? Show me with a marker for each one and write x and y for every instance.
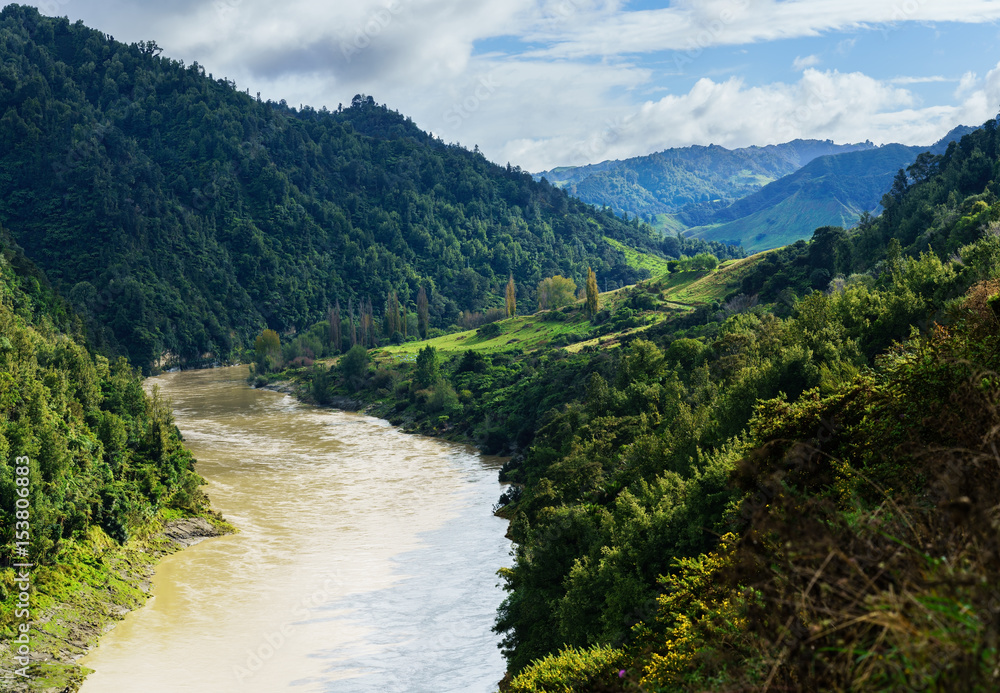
(106, 471)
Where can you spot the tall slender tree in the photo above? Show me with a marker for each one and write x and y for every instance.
(392, 314)
(350, 318)
(369, 324)
(423, 315)
(593, 299)
(335, 330)
(511, 297)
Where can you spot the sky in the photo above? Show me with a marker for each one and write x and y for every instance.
(547, 83)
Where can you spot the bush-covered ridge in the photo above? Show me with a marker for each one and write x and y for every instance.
(857, 499)
(181, 216)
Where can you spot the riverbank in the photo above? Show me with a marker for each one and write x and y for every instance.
(87, 594)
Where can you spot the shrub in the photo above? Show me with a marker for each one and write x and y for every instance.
(571, 670)
(489, 331)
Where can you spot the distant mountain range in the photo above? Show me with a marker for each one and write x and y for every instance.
(670, 181)
(759, 197)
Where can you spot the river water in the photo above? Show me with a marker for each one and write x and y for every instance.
(366, 559)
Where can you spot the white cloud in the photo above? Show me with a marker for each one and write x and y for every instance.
(930, 79)
(800, 64)
(564, 83)
(694, 25)
(966, 85)
(845, 107)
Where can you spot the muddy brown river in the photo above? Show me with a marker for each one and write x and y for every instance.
(366, 559)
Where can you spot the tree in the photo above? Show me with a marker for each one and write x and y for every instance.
(823, 249)
(704, 261)
(393, 318)
(335, 331)
(367, 324)
(350, 319)
(267, 348)
(422, 314)
(593, 300)
(354, 366)
(924, 167)
(511, 297)
(556, 292)
(428, 372)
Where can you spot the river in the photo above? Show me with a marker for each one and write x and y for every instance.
(366, 559)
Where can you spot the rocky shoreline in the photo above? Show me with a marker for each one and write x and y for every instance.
(63, 632)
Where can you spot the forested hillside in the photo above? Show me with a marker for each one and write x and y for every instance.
(788, 488)
(104, 468)
(669, 181)
(795, 496)
(103, 454)
(180, 215)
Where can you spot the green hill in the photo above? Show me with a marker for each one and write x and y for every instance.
(181, 216)
(829, 191)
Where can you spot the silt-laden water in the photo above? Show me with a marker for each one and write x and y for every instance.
(366, 559)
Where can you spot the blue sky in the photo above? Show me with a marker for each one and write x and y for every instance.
(544, 83)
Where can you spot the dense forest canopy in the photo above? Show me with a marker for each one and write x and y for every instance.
(102, 453)
(181, 216)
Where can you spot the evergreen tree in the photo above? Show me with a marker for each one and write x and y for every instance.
(428, 369)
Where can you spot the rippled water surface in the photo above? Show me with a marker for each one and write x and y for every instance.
(366, 559)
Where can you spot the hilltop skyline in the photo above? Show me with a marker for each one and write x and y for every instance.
(567, 82)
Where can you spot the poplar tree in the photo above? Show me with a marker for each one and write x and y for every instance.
(335, 335)
(593, 300)
(392, 314)
(369, 324)
(511, 297)
(350, 318)
(422, 313)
